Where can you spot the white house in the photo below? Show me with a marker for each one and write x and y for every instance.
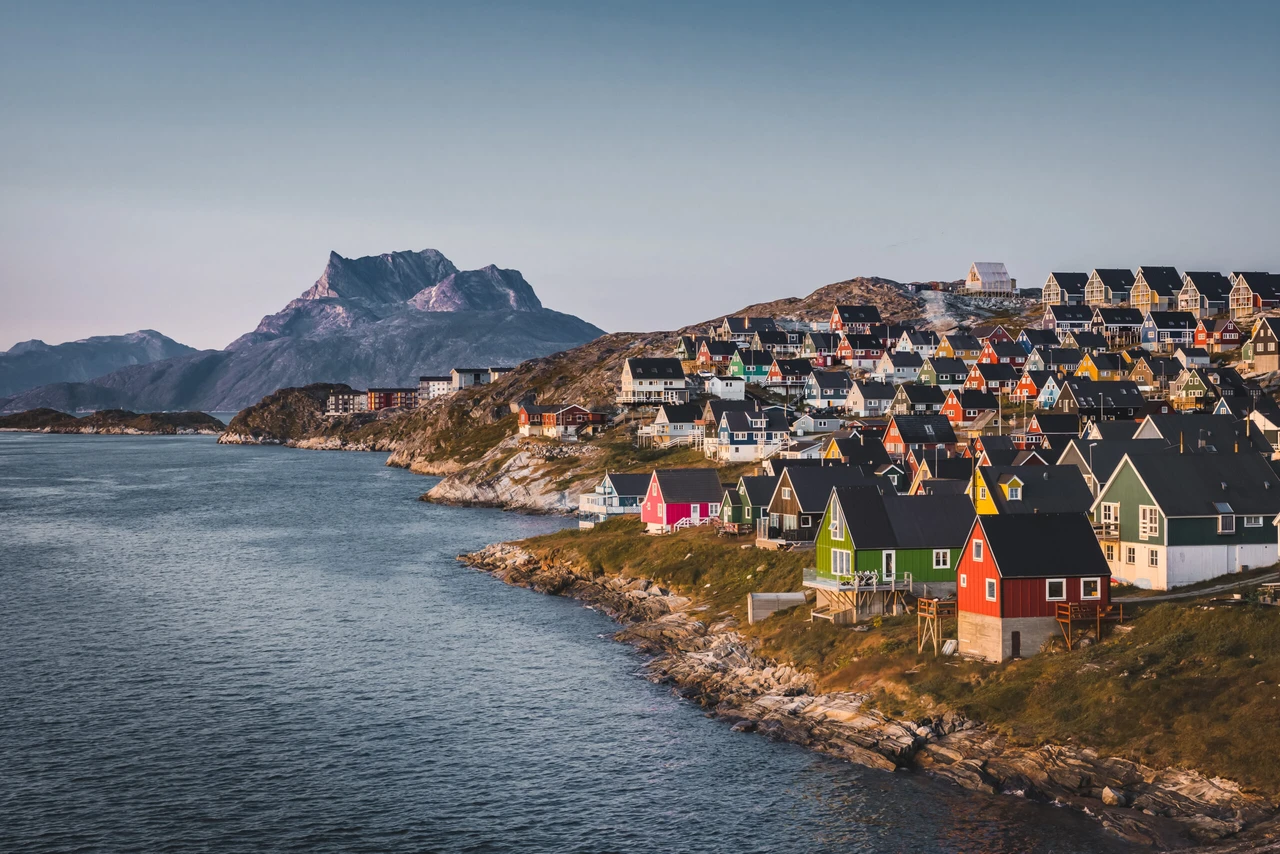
(727, 388)
(989, 277)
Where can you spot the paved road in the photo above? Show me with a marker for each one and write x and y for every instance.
(1190, 594)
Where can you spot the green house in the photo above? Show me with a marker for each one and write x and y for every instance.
(748, 500)
(873, 535)
(752, 365)
(1170, 519)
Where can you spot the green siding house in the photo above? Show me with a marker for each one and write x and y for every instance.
(1166, 520)
(752, 365)
(867, 535)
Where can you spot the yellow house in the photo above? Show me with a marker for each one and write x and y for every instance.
(1101, 366)
(959, 345)
(980, 494)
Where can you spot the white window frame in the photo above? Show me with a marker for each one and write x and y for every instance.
(1049, 597)
(806, 522)
(889, 556)
(1015, 493)
(1153, 558)
(982, 496)
(1110, 512)
(786, 494)
(978, 551)
(1148, 521)
(1110, 549)
(841, 563)
(1253, 521)
(1131, 555)
(1097, 591)
(964, 580)
(992, 591)
(837, 530)
(1226, 523)
(942, 558)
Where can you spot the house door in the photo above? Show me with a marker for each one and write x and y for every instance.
(890, 566)
(695, 514)
(1015, 644)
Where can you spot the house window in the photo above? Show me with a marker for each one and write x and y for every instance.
(1055, 589)
(805, 522)
(841, 560)
(977, 550)
(1148, 522)
(1090, 588)
(836, 532)
(1130, 554)
(1226, 524)
(1153, 557)
(1015, 493)
(1110, 513)
(941, 558)
(982, 496)
(964, 580)
(786, 494)
(991, 590)
(1253, 521)
(1110, 550)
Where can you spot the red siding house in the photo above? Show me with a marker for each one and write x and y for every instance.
(681, 498)
(919, 433)
(967, 406)
(1218, 335)
(1002, 353)
(1016, 570)
(995, 334)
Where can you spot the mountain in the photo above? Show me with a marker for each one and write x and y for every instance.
(34, 363)
(377, 321)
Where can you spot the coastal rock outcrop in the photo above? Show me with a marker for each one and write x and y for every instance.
(707, 661)
(118, 422)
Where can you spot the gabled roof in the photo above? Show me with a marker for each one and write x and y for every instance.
(858, 313)
(823, 340)
(905, 360)
(971, 398)
(961, 341)
(1114, 278)
(924, 429)
(1045, 489)
(921, 338)
(651, 368)
(987, 330)
(755, 358)
(1103, 455)
(1171, 319)
(1091, 340)
(629, 484)
(991, 271)
(773, 337)
(1162, 280)
(1221, 324)
(871, 390)
(1193, 352)
(1117, 316)
(1113, 429)
(1060, 355)
(759, 488)
(1195, 484)
(1039, 337)
(1209, 283)
(812, 485)
(788, 367)
(1070, 313)
(719, 348)
(1001, 372)
(889, 521)
(862, 450)
(950, 468)
(1072, 283)
(1037, 378)
(680, 413)
(947, 365)
(1106, 361)
(742, 422)
(1008, 349)
(831, 380)
(1102, 394)
(917, 393)
(1043, 545)
(742, 325)
(1053, 424)
(689, 486)
(713, 409)
(862, 341)
(1194, 431)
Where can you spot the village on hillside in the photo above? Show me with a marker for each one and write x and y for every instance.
(1008, 475)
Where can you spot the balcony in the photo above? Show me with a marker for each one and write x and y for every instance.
(1107, 530)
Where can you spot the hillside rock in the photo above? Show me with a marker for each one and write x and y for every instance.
(114, 422)
(34, 363)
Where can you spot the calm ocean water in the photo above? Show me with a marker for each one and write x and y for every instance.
(257, 649)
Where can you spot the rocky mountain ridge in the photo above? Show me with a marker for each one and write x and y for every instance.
(30, 364)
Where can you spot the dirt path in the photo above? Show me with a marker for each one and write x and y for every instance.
(1206, 591)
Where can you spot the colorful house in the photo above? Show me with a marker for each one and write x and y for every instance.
(1204, 294)
(681, 498)
(616, 494)
(1031, 338)
(860, 351)
(1029, 489)
(963, 408)
(959, 345)
(1217, 335)
(856, 319)
(1155, 289)
(1016, 572)
(1166, 330)
(1108, 286)
(747, 501)
(1101, 367)
(945, 373)
(1002, 353)
(825, 389)
(1170, 519)
(1064, 289)
(1062, 319)
(919, 432)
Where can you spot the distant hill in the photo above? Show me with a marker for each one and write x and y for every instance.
(35, 363)
(376, 321)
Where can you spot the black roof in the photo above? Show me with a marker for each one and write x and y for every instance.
(862, 341)
(1103, 455)
(859, 313)
(1053, 424)
(1207, 484)
(890, 521)
(950, 468)
(1094, 340)
(1071, 282)
(875, 389)
(823, 340)
(1115, 429)
(812, 486)
(915, 429)
(1163, 280)
(905, 360)
(689, 486)
(738, 421)
(655, 368)
(1117, 316)
(1002, 372)
(971, 398)
(1045, 489)
(862, 450)
(1209, 283)
(1089, 393)
(629, 484)
(947, 365)
(771, 336)
(719, 348)
(1115, 278)
(1194, 431)
(742, 325)
(755, 357)
(759, 488)
(788, 367)
(917, 393)
(1172, 319)
(681, 413)
(717, 407)
(1043, 545)
(838, 380)
(1061, 355)
(962, 341)
(1070, 313)
(1040, 337)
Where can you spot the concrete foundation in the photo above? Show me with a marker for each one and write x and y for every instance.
(992, 637)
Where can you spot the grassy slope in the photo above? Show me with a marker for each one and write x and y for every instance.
(1186, 686)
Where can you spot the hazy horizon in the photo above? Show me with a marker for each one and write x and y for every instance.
(189, 170)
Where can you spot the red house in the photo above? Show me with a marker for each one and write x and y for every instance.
(859, 351)
(1218, 335)
(1002, 353)
(996, 334)
(681, 498)
(1016, 573)
(907, 433)
(968, 405)
(854, 319)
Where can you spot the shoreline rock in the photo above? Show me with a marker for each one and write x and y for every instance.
(714, 666)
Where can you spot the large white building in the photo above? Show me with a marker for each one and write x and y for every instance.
(989, 278)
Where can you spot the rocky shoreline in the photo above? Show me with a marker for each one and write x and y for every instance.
(710, 663)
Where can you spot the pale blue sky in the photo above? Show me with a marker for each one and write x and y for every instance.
(188, 167)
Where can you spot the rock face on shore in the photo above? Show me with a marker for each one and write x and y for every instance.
(114, 422)
(707, 661)
(511, 476)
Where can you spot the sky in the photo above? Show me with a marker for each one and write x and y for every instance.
(187, 167)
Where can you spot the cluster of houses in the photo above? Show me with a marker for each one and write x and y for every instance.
(1202, 294)
(428, 388)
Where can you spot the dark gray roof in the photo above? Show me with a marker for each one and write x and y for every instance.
(891, 521)
(1061, 356)
(874, 390)
(793, 367)
(1071, 282)
(1106, 454)
(832, 380)
(1218, 433)
(917, 393)
(1193, 484)
(1045, 489)
(939, 486)
(1210, 283)
(629, 484)
(681, 413)
(689, 486)
(1118, 316)
(1002, 372)
(924, 429)
(823, 340)
(1052, 424)
(1163, 280)
(1102, 394)
(1172, 319)
(772, 336)
(759, 488)
(718, 407)
(1091, 340)
(945, 365)
(862, 450)
(859, 313)
(719, 348)
(1116, 429)
(1043, 545)
(742, 325)
(1115, 278)
(1071, 313)
(906, 360)
(812, 485)
(1011, 349)
(862, 341)
(971, 398)
(741, 422)
(1039, 337)
(655, 368)
(950, 468)
(756, 357)
(962, 341)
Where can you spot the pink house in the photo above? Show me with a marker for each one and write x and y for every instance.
(681, 498)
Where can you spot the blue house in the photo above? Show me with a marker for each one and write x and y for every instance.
(1167, 330)
(1048, 395)
(1029, 339)
(752, 435)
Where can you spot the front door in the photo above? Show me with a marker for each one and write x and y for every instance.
(695, 514)
(890, 567)
(1015, 644)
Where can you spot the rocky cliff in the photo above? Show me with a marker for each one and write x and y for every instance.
(377, 321)
(34, 363)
